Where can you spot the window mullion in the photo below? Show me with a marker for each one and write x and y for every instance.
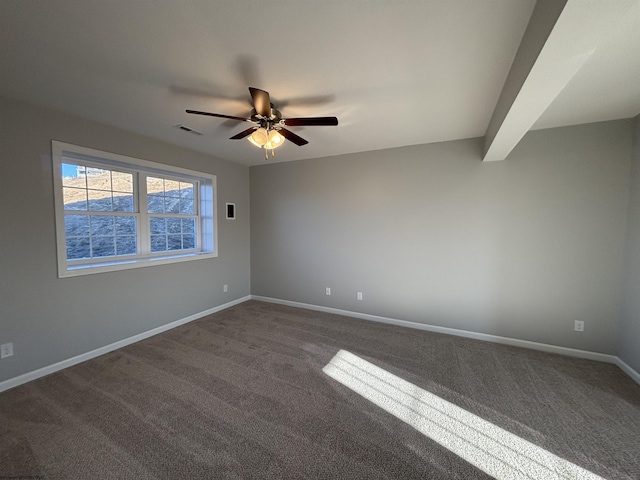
(144, 236)
(197, 210)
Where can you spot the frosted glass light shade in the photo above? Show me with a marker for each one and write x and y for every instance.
(263, 139)
(259, 137)
(275, 140)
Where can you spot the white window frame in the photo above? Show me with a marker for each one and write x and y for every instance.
(205, 191)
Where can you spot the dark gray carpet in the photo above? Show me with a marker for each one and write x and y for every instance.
(242, 394)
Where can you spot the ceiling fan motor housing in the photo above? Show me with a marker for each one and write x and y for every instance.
(275, 120)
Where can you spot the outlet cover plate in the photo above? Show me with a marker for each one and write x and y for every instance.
(6, 350)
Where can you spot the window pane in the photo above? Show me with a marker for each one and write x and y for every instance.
(158, 243)
(126, 245)
(122, 182)
(78, 247)
(125, 225)
(155, 185)
(188, 225)
(169, 196)
(103, 247)
(98, 179)
(158, 225)
(122, 203)
(186, 206)
(76, 225)
(101, 225)
(173, 225)
(74, 198)
(100, 201)
(155, 204)
(171, 205)
(186, 190)
(70, 177)
(174, 242)
(188, 241)
(171, 188)
(91, 188)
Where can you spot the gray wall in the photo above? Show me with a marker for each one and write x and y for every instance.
(430, 234)
(520, 248)
(50, 319)
(629, 328)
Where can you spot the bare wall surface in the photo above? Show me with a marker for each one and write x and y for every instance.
(629, 328)
(50, 319)
(430, 234)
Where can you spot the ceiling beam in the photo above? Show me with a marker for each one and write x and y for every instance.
(559, 39)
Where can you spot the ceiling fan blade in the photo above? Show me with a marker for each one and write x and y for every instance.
(219, 115)
(292, 137)
(261, 101)
(244, 133)
(299, 122)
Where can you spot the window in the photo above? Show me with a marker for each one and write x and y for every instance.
(115, 212)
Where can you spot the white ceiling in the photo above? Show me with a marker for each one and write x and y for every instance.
(395, 73)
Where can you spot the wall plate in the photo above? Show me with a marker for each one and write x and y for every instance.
(231, 211)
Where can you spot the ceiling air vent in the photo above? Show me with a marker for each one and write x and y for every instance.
(188, 129)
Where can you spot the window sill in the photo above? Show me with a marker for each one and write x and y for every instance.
(112, 266)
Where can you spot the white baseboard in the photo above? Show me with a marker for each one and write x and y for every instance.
(41, 372)
(572, 352)
(628, 370)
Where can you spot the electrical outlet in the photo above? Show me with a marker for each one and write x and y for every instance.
(359, 295)
(225, 288)
(579, 326)
(6, 350)
(328, 291)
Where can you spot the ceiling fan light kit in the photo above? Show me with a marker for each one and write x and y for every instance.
(267, 139)
(268, 131)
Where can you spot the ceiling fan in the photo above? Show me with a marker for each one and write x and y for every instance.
(268, 130)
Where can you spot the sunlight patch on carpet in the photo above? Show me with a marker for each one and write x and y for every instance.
(492, 449)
